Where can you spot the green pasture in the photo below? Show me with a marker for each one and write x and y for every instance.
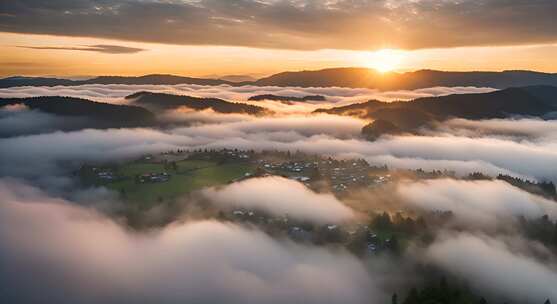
(191, 175)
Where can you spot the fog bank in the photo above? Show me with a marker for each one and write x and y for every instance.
(281, 197)
(54, 251)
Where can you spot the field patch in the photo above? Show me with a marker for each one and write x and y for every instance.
(132, 180)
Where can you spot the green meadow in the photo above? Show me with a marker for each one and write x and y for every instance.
(189, 176)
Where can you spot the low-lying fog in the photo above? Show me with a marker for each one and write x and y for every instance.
(467, 150)
(58, 244)
(115, 93)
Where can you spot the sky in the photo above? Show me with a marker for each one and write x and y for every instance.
(261, 37)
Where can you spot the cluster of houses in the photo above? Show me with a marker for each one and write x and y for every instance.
(297, 167)
(104, 174)
(342, 175)
(153, 177)
(220, 155)
(372, 242)
(324, 234)
(236, 154)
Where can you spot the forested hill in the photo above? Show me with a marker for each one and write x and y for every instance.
(154, 79)
(367, 78)
(334, 77)
(161, 101)
(99, 114)
(539, 101)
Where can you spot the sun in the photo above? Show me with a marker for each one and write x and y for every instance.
(385, 60)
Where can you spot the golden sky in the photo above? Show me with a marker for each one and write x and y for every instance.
(225, 60)
(261, 37)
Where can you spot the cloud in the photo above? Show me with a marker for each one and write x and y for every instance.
(74, 148)
(301, 125)
(280, 196)
(200, 117)
(522, 158)
(54, 251)
(20, 120)
(43, 156)
(64, 251)
(62, 152)
(335, 96)
(494, 266)
(518, 129)
(305, 24)
(100, 48)
(458, 145)
(476, 203)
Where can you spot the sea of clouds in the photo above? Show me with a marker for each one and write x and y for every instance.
(115, 93)
(39, 155)
(57, 245)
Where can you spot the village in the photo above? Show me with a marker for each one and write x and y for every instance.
(340, 175)
(361, 238)
(319, 173)
(153, 179)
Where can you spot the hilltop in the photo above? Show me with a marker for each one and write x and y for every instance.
(333, 77)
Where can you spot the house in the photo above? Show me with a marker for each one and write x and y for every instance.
(154, 177)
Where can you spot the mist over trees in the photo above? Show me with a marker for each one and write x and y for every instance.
(274, 203)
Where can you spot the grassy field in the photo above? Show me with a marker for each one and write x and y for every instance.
(191, 175)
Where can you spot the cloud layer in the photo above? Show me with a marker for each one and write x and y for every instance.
(305, 24)
(518, 129)
(496, 267)
(476, 203)
(335, 96)
(281, 197)
(80, 256)
(100, 48)
(20, 120)
(65, 251)
(41, 156)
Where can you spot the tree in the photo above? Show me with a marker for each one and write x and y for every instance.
(394, 244)
(441, 293)
(555, 233)
(412, 297)
(548, 188)
(444, 290)
(394, 298)
(382, 222)
(314, 174)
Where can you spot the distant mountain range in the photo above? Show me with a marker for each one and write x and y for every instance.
(336, 77)
(366, 78)
(160, 101)
(396, 117)
(140, 80)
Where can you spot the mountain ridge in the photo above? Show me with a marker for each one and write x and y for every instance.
(332, 77)
(163, 101)
(408, 116)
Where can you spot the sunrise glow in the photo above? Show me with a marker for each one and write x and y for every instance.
(385, 60)
(278, 151)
